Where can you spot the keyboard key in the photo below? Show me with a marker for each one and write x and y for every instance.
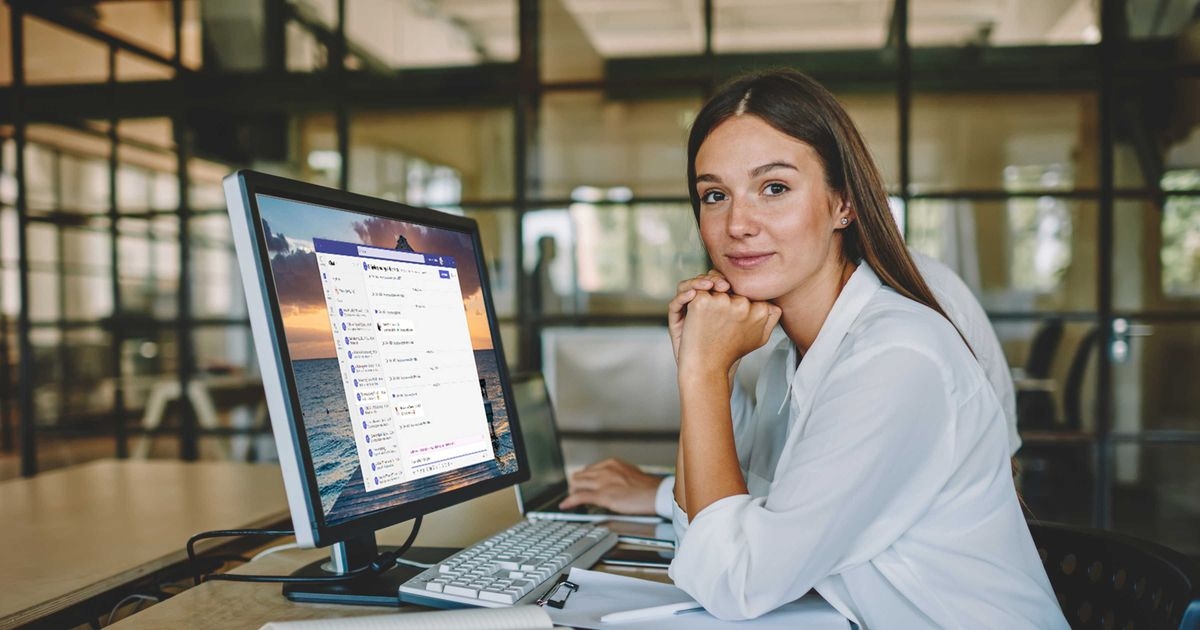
(497, 596)
(452, 589)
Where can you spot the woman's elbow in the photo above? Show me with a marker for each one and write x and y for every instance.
(728, 598)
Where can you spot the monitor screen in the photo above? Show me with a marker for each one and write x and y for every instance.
(390, 375)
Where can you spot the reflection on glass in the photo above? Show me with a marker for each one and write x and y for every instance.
(1155, 377)
(316, 155)
(497, 231)
(637, 29)
(216, 282)
(1019, 255)
(56, 55)
(549, 261)
(925, 232)
(1161, 20)
(577, 36)
(8, 178)
(131, 67)
(87, 296)
(967, 141)
(383, 34)
(304, 52)
(1040, 228)
(1053, 364)
(1055, 481)
(589, 139)
(1180, 254)
(877, 118)
(150, 24)
(1018, 23)
(782, 25)
(610, 258)
(425, 158)
(1157, 494)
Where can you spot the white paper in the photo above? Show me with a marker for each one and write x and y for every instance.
(603, 593)
(515, 618)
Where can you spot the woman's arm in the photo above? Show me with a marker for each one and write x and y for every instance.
(874, 453)
(685, 292)
(719, 329)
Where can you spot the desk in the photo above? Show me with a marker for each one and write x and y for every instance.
(72, 534)
(234, 605)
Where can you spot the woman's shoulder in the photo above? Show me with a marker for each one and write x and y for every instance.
(890, 319)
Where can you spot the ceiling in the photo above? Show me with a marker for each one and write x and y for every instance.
(425, 32)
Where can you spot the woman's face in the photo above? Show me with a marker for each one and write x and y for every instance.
(766, 215)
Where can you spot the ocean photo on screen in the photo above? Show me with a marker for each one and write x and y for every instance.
(290, 227)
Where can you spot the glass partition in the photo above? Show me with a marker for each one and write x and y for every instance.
(627, 147)
(741, 26)
(1020, 23)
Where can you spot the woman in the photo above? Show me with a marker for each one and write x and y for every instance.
(889, 490)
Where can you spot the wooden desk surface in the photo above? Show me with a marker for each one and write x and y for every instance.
(233, 605)
(70, 534)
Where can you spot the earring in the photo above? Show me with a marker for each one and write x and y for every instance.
(845, 221)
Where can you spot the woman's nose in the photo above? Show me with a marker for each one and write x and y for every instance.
(742, 220)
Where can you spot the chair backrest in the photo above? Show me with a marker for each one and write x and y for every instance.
(1106, 580)
(1073, 385)
(1042, 348)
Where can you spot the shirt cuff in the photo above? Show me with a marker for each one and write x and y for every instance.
(664, 497)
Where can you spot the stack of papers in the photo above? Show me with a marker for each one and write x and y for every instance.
(604, 593)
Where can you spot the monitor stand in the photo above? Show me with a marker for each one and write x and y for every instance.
(370, 589)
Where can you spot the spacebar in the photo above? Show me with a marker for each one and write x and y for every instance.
(461, 591)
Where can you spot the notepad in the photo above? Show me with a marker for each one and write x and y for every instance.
(514, 618)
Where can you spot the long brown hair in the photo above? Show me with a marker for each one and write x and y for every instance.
(795, 104)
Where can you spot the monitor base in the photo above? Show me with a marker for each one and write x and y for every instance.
(367, 590)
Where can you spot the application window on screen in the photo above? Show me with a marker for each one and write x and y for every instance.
(405, 356)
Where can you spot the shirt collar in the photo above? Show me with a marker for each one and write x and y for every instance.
(863, 284)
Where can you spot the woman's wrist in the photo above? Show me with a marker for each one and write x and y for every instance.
(702, 374)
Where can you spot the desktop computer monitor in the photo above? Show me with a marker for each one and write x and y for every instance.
(381, 359)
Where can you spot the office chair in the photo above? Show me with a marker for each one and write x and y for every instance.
(1109, 581)
(1035, 408)
(1055, 476)
(1073, 385)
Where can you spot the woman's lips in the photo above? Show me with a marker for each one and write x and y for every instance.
(747, 261)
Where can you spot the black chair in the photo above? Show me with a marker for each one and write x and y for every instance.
(1073, 386)
(1035, 408)
(1056, 475)
(1113, 582)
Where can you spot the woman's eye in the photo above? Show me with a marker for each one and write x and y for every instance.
(712, 196)
(776, 189)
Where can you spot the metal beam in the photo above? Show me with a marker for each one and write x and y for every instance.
(488, 85)
(1036, 68)
(25, 406)
(117, 334)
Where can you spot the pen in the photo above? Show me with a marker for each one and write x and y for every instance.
(653, 612)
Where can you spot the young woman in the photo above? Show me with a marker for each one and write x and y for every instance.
(889, 489)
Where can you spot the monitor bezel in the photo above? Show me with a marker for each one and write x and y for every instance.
(279, 382)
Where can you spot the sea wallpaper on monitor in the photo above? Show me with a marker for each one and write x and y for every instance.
(289, 227)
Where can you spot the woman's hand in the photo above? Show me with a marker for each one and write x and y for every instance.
(720, 329)
(686, 292)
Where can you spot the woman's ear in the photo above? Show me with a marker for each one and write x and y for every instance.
(845, 214)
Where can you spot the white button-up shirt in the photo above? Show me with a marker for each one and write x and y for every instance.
(964, 310)
(888, 489)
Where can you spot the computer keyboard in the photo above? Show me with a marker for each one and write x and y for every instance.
(516, 566)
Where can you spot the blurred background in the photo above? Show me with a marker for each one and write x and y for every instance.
(1047, 150)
